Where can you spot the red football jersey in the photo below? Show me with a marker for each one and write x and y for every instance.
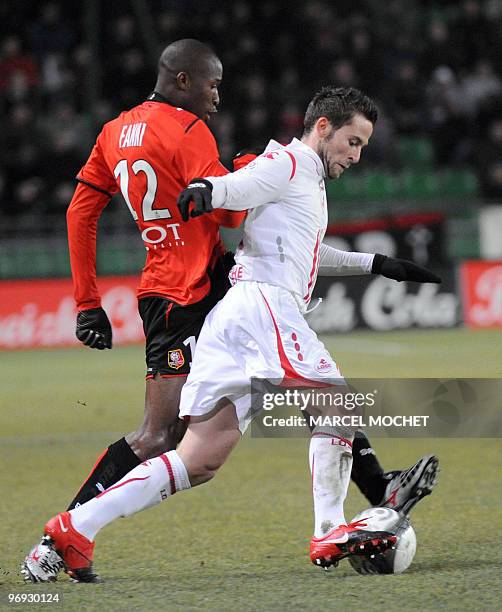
(150, 153)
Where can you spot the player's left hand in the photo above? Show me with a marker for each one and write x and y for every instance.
(199, 191)
(402, 270)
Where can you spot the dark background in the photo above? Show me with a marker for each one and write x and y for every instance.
(434, 68)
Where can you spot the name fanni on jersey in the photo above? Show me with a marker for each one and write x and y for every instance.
(131, 135)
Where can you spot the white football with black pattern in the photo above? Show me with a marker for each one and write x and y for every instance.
(393, 561)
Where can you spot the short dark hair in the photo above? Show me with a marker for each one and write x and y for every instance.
(185, 55)
(339, 105)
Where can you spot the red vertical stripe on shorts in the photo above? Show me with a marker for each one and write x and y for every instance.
(289, 371)
(170, 472)
(168, 312)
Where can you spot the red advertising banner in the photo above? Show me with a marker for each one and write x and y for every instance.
(481, 283)
(41, 313)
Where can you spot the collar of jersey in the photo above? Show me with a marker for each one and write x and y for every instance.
(297, 144)
(156, 97)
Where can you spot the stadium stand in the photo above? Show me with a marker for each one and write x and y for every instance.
(433, 66)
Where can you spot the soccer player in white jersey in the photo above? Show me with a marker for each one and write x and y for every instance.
(257, 331)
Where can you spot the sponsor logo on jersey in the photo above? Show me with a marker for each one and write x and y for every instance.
(175, 359)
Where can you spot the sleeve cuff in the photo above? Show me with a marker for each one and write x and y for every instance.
(378, 260)
(219, 192)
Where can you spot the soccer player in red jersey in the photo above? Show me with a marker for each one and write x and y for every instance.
(150, 153)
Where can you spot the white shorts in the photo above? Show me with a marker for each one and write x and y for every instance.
(256, 331)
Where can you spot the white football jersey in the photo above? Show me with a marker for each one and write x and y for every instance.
(283, 190)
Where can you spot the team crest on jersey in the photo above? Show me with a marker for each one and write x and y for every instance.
(175, 359)
(323, 365)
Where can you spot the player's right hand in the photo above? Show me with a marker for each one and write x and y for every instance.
(94, 329)
(200, 192)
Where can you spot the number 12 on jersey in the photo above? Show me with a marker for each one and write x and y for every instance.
(141, 165)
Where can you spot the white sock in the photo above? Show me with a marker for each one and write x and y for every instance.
(330, 458)
(144, 486)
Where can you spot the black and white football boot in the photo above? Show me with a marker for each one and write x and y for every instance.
(407, 487)
(43, 563)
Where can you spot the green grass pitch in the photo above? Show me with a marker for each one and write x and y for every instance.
(241, 542)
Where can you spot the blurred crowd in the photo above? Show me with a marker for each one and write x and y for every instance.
(434, 68)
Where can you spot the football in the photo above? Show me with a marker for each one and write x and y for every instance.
(393, 561)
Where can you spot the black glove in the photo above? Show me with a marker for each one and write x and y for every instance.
(402, 270)
(94, 329)
(200, 191)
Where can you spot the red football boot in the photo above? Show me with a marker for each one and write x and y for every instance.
(74, 548)
(351, 539)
